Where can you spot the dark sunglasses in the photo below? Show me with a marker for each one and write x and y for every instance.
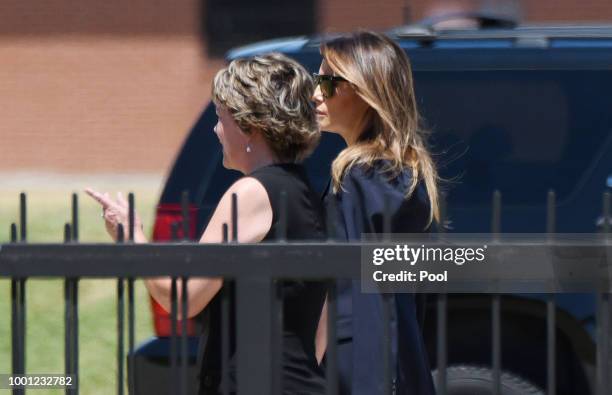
(327, 83)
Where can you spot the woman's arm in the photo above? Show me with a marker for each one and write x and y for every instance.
(321, 335)
(254, 222)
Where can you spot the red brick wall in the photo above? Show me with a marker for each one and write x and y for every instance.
(99, 86)
(98, 104)
(531, 10)
(107, 17)
(346, 15)
(568, 10)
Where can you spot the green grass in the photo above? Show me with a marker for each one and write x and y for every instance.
(48, 211)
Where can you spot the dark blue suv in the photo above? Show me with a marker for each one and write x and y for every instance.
(522, 110)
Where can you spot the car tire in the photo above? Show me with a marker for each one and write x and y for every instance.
(475, 380)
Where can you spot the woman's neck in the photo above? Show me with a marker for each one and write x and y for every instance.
(352, 135)
(261, 155)
(257, 163)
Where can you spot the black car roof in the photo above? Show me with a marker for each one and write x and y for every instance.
(425, 36)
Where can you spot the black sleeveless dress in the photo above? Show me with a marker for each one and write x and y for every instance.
(302, 300)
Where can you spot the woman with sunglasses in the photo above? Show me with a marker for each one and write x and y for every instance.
(365, 94)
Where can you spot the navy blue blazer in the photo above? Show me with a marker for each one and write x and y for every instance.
(359, 208)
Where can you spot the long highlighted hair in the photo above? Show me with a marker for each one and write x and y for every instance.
(379, 71)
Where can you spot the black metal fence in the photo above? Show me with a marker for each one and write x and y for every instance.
(254, 270)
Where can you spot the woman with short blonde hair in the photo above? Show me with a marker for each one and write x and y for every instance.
(271, 94)
(266, 127)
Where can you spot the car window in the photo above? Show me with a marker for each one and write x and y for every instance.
(520, 131)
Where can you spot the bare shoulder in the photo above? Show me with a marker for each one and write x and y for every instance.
(253, 208)
(249, 192)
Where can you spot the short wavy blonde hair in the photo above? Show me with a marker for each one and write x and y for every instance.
(271, 93)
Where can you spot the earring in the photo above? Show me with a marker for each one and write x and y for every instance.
(248, 148)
